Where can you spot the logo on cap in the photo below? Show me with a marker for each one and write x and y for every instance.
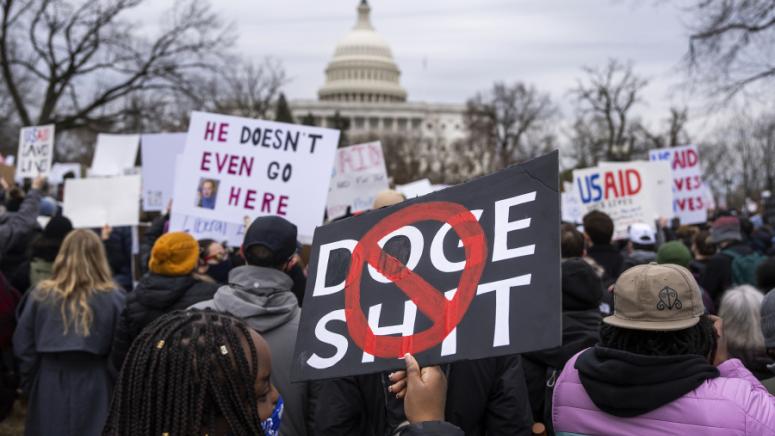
(668, 299)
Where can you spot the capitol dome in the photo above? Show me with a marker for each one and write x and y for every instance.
(362, 68)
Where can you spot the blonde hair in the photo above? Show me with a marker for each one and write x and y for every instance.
(740, 311)
(80, 270)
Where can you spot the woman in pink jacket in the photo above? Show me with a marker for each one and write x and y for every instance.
(661, 368)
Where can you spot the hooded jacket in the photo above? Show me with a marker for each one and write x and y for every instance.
(262, 298)
(612, 392)
(582, 291)
(154, 296)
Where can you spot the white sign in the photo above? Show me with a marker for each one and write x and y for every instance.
(159, 151)
(359, 175)
(203, 228)
(59, 170)
(689, 198)
(114, 154)
(235, 168)
(570, 204)
(36, 151)
(418, 188)
(94, 202)
(630, 192)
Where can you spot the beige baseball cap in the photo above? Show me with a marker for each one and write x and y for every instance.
(656, 297)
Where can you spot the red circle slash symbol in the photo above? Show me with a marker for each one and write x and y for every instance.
(445, 314)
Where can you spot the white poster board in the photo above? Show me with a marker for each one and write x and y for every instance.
(204, 228)
(158, 151)
(629, 192)
(114, 154)
(689, 198)
(418, 188)
(58, 171)
(570, 204)
(235, 168)
(94, 202)
(36, 151)
(359, 175)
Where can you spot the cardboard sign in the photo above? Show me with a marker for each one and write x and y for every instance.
(469, 272)
(36, 151)
(239, 167)
(94, 202)
(359, 175)
(159, 151)
(8, 173)
(689, 202)
(114, 154)
(629, 192)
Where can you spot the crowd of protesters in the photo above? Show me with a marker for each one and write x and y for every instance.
(671, 331)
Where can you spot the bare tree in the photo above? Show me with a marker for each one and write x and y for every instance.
(732, 43)
(509, 123)
(605, 99)
(674, 132)
(246, 89)
(82, 59)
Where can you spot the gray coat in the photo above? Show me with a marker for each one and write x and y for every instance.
(15, 226)
(65, 375)
(262, 298)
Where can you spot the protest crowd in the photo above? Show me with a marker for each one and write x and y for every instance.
(245, 276)
(107, 330)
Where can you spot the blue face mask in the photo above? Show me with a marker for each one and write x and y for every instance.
(271, 426)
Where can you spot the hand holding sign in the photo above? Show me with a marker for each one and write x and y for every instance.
(424, 391)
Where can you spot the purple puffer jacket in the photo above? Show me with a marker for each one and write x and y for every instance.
(735, 403)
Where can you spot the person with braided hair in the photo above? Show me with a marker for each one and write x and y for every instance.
(195, 373)
(65, 329)
(662, 367)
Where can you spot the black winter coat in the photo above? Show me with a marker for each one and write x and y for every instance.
(154, 296)
(717, 276)
(484, 397)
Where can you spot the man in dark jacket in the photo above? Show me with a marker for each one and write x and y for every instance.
(598, 230)
(169, 286)
(484, 397)
(726, 234)
(260, 294)
(582, 292)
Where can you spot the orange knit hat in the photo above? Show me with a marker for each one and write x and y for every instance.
(174, 254)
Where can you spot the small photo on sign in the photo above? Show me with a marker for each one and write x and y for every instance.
(207, 193)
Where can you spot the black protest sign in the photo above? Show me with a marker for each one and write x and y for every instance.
(469, 272)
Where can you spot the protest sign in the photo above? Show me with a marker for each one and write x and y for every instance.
(59, 170)
(570, 204)
(206, 228)
(7, 173)
(158, 151)
(629, 192)
(239, 167)
(114, 154)
(418, 188)
(469, 272)
(689, 202)
(359, 175)
(94, 202)
(36, 151)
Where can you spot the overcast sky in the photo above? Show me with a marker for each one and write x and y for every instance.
(449, 49)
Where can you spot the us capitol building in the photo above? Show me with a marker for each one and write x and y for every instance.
(363, 86)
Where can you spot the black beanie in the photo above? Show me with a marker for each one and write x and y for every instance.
(58, 227)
